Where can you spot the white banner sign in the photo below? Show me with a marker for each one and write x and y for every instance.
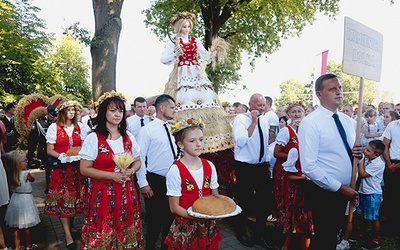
(362, 50)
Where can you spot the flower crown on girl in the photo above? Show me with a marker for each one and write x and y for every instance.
(107, 95)
(182, 15)
(67, 104)
(182, 124)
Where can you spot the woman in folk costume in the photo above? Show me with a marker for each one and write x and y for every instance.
(194, 94)
(66, 184)
(110, 156)
(291, 212)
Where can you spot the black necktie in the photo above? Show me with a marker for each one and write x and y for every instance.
(342, 134)
(170, 140)
(261, 140)
(141, 122)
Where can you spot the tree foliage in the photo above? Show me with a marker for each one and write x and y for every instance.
(27, 54)
(68, 70)
(253, 26)
(293, 91)
(22, 43)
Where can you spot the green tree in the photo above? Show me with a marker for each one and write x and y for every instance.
(253, 26)
(30, 63)
(22, 42)
(67, 72)
(293, 91)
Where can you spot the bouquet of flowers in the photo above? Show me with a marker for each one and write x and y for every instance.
(123, 161)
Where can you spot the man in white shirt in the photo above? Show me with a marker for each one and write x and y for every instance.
(139, 119)
(271, 116)
(348, 110)
(158, 152)
(391, 138)
(397, 108)
(252, 172)
(326, 161)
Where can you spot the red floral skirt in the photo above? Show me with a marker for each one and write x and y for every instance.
(193, 234)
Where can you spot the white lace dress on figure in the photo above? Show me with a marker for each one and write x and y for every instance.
(194, 94)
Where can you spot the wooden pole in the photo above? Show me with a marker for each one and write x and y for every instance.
(358, 134)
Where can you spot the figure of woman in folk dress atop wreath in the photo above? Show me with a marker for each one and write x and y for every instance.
(194, 93)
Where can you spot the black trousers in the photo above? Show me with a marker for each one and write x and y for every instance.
(391, 196)
(328, 212)
(158, 215)
(253, 192)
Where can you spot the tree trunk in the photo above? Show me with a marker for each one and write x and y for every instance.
(104, 47)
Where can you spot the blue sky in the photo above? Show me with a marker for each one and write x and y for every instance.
(140, 72)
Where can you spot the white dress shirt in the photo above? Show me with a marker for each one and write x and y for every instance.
(392, 132)
(155, 147)
(272, 118)
(247, 149)
(133, 123)
(323, 155)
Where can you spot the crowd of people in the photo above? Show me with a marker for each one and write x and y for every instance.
(292, 165)
(314, 210)
(288, 170)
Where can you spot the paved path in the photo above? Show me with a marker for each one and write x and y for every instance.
(49, 234)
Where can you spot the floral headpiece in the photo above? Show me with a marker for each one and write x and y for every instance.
(183, 15)
(182, 124)
(294, 104)
(107, 95)
(67, 104)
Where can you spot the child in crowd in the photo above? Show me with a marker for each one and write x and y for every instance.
(371, 129)
(22, 213)
(187, 178)
(371, 173)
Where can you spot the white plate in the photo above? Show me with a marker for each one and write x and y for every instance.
(72, 158)
(205, 216)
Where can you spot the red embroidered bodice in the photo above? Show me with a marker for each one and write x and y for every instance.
(190, 190)
(190, 53)
(104, 160)
(64, 142)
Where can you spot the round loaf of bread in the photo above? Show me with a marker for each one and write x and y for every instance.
(214, 204)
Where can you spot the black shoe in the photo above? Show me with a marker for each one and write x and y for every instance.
(263, 243)
(72, 246)
(245, 240)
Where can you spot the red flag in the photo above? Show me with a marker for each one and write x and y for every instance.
(324, 62)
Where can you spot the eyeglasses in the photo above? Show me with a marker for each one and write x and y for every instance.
(25, 160)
